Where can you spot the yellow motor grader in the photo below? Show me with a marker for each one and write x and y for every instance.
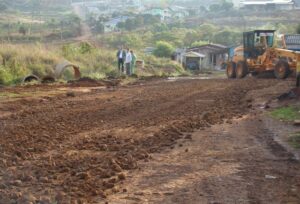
(258, 54)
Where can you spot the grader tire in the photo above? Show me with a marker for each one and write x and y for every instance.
(231, 70)
(241, 69)
(282, 70)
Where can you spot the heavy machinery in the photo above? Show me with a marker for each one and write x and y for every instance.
(258, 54)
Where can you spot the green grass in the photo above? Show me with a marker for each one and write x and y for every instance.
(294, 140)
(286, 113)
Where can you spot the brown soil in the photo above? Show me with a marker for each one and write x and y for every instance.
(237, 162)
(80, 149)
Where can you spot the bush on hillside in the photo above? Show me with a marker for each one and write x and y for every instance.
(163, 49)
(17, 61)
(5, 76)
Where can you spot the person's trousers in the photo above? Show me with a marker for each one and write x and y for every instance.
(128, 69)
(132, 68)
(121, 65)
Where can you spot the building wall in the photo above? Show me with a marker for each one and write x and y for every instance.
(268, 4)
(297, 3)
(207, 60)
(236, 3)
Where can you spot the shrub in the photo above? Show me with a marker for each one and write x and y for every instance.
(5, 77)
(163, 49)
(85, 47)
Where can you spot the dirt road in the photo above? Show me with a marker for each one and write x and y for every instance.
(134, 144)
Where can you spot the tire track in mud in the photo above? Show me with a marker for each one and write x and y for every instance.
(76, 150)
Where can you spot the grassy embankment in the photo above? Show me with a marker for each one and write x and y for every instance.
(17, 61)
(289, 114)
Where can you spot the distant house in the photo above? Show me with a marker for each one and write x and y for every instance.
(111, 25)
(210, 56)
(178, 12)
(268, 4)
(215, 55)
(163, 13)
(193, 60)
(93, 10)
(236, 3)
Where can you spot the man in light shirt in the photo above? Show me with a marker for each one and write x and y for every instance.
(128, 62)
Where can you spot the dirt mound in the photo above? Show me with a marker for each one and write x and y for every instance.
(89, 82)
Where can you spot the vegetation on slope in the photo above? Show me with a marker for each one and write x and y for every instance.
(17, 61)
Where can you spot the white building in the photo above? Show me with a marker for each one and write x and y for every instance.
(267, 4)
(111, 25)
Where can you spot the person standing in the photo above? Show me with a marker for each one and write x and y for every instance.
(121, 56)
(133, 61)
(128, 62)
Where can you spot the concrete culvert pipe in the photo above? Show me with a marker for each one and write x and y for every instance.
(60, 68)
(30, 78)
(48, 79)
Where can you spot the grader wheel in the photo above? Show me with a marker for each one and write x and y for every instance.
(282, 69)
(231, 70)
(241, 69)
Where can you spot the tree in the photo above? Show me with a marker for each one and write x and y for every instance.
(226, 6)
(99, 28)
(165, 3)
(150, 19)
(22, 30)
(192, 12)
(199, 43)
(214, 7)
(129, 24)
(160, 27)
(139, 21)
(203, 9)
(121, 25)
(102, 19)
(206, 31)
(190, 37)
(8, 27)
(223, 6)
(163, 49)
(298, 29)
(3, 6)
(227, 37)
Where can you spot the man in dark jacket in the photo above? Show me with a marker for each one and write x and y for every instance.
(121, 55)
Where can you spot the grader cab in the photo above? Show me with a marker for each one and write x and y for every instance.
(258, 54)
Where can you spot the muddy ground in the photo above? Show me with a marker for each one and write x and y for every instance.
(135, 144)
